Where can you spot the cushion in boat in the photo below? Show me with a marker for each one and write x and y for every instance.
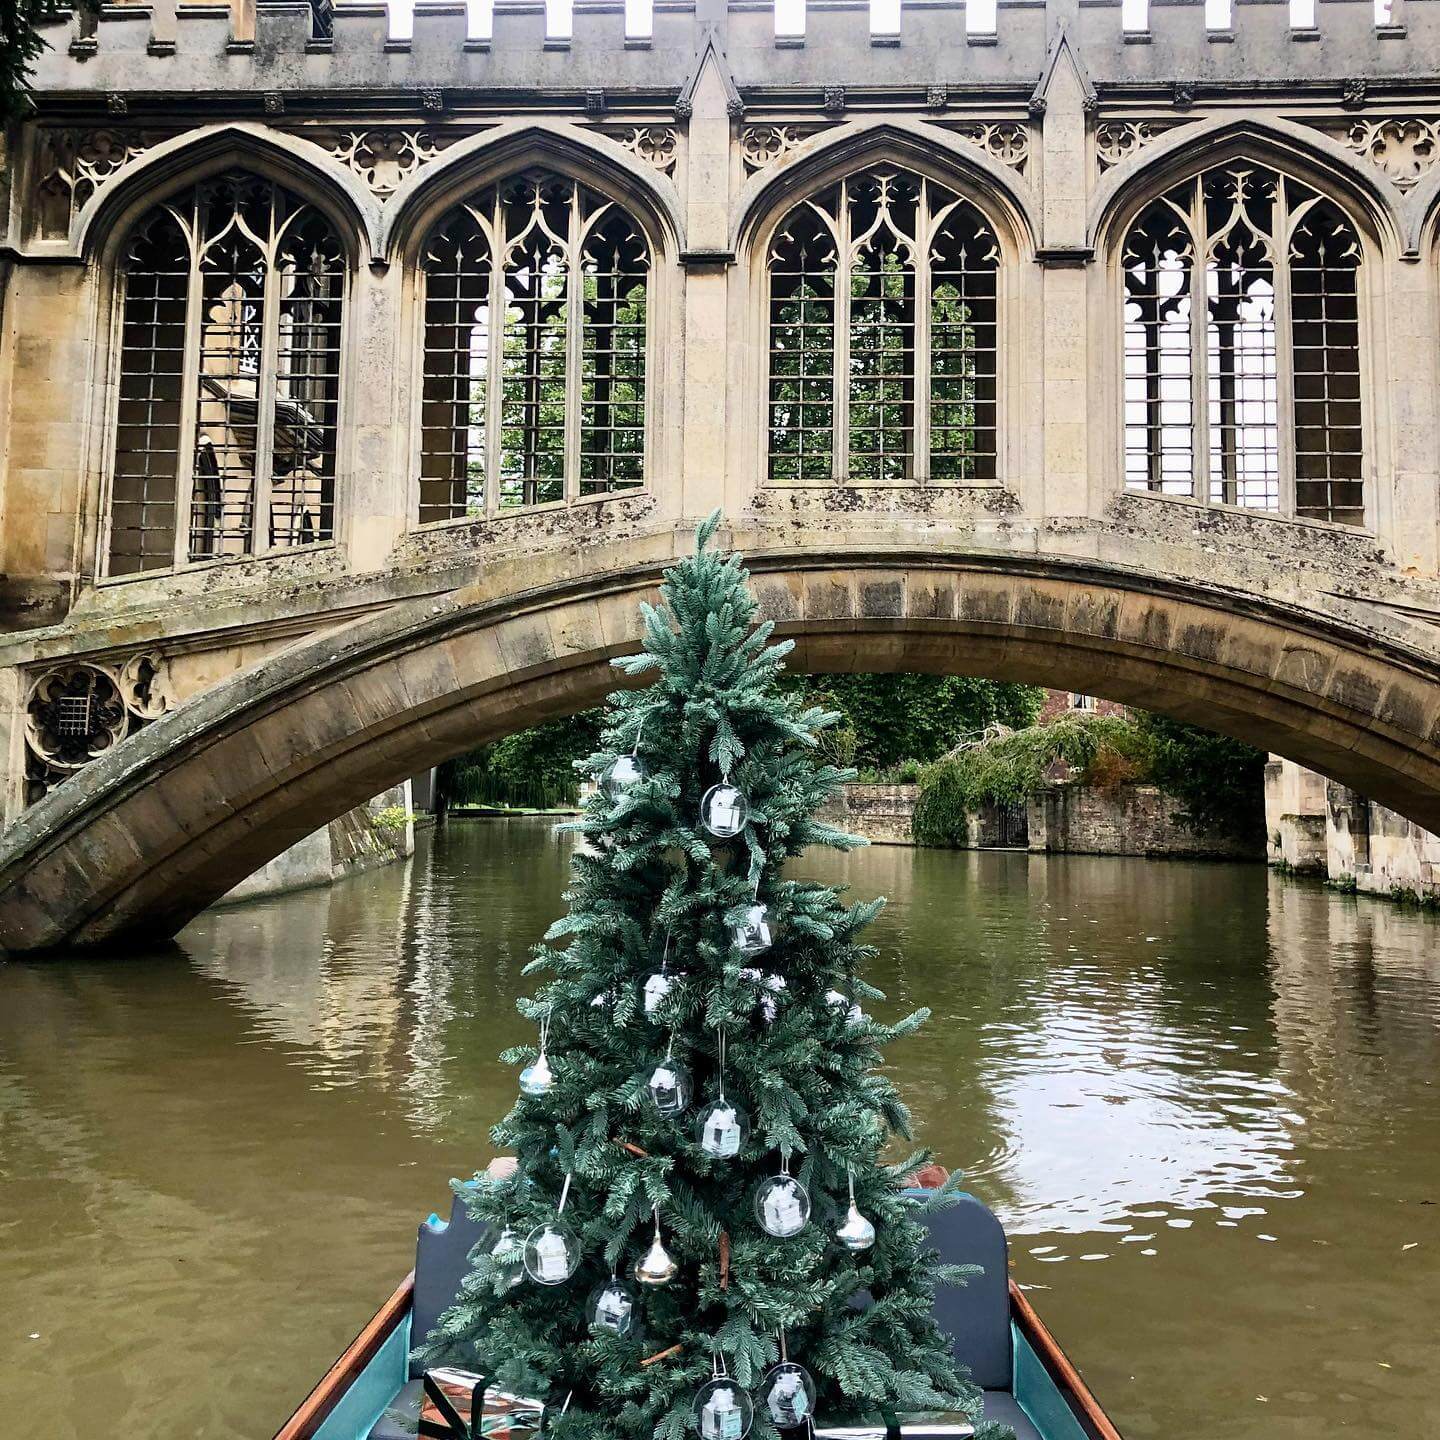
(976, 1315)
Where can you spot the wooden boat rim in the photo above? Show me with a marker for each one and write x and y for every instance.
(362, 1349)
(346, 1370)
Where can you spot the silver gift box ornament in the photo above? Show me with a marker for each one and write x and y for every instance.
(551, 1257)
(613, 1310)
(783, 1215)
(722, 1133)
(787, 1402)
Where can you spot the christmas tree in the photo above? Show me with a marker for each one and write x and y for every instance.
(700, 1196)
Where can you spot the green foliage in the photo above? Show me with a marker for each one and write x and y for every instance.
(532, 769)
(1010, 769)
(392, 817)
(646, 886)
(895, 718)
(21, 42)
(1219, 782)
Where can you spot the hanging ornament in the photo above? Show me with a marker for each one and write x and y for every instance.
(857, 1233)
(552, 1251)
(536, 1078)
(724, 810)
(724, 1127)
(787, 1392)
(750, 935)
(782, 1203)
(509, 1258)
(625, 772)
(612, 1307)
(656, 1267)
(661, 983)
(854, 1015)
(721, 1410)
(670, 1086)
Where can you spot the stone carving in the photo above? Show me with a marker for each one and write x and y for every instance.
(937, 97)
(77, 711)
(1005, 140)
(762, 145)
(1352, 94)
(595, 102)
(73, 165)
(1182, 96)
(684, 108)
(384, 159)
(654, 144)
(117, 104)
(432, 100)
(1036, 106)
(1403, 149)
(734, 108)
(834, 102)
(274, 103)
(1117, 140)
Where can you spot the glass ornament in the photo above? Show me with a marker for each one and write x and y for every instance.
(750, 935)
(626, 772)
(782, 1205)
(536, 1078)
(788, 1394)
(612, 1307)
(724, 811)
(656, 1266)
(670, 1087)
(857, 1233)
(657, 987)
(552, 1253)
(854, 1015)
(509, 1258)
(722, 1129)
(722, 1410)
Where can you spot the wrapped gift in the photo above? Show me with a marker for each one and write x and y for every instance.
(457, 1406)
(721, 1418)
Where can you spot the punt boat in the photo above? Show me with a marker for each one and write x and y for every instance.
(373, 1391)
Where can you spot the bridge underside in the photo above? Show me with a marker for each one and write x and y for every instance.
(149, 835)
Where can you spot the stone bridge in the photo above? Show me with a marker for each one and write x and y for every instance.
(1093, 346)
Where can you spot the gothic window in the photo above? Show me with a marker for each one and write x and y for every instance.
(229, 378)
(535, 304)
(1242, 347)
(882, 315)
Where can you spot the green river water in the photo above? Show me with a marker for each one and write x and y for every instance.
(1202, 1098)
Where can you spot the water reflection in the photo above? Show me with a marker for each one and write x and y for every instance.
(1201, 1097)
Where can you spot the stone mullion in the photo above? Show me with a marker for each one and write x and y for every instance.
(495, 356)
(189, 392)
(574, 354)
(1284, 354)
(920, 433)
(840, 384)
(266, 382)
(1199, 350)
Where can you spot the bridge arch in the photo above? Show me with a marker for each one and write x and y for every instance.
(168, 821)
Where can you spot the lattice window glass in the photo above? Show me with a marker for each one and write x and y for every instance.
(229, 377)
(555, 409)
(1261, 342)
(883, 328)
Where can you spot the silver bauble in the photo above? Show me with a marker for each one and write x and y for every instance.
(536, 1078)
(612, 1307)
(857, 1233)
(552, 1253)
(656, 1266)
(750, 935)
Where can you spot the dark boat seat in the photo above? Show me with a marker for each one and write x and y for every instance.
(976, 1316)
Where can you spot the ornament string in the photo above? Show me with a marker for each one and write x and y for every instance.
(564, 1195)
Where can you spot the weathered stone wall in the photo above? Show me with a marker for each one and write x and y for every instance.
(1333, 831)
(881, 813)
(1125, 820)
(349, 845)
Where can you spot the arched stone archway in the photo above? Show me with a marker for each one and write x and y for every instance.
(149, 835)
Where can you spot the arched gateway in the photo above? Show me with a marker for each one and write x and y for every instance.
(152, 832)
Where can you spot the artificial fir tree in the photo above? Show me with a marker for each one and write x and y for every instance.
(649, 1240)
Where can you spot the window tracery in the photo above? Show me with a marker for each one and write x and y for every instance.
(882, 314)
(1242, 347)
(229, 377)
(533, 372)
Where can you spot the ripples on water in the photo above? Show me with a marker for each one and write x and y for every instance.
(1202, 1098)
